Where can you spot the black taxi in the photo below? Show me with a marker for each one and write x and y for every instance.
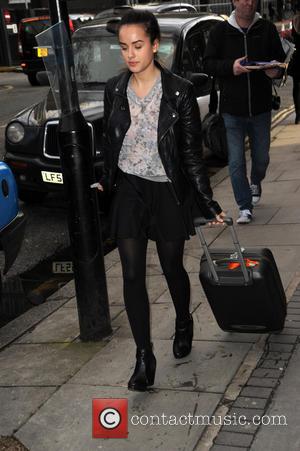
(32, 150)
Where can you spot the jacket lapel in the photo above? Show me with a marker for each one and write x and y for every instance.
(167, 118)
(168, 114)
(121, 105)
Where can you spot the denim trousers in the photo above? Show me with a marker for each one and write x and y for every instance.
(257, 128)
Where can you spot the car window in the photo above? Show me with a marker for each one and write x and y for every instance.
(195, 43)
(30, 29)
(206, 27)
(36, 26)
(166, 51)
(187, 67)
(193, 52)
(98, 58)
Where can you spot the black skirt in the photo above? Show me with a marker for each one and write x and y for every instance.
(143, 208)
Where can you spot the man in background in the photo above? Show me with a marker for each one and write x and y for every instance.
(294, 65)
(245, 95)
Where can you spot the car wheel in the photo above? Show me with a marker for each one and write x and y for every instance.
(31, 197)
(32, 79)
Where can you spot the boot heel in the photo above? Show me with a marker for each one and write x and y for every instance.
(151, 374)
(182, 344)
(144, 372)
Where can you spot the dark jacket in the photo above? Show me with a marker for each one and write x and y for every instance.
(294, 65)
(246, 94)
(179, 138)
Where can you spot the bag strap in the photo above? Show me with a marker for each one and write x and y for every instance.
(274, 89)
(213, 100)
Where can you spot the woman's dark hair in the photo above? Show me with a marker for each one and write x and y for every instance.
(144, 18)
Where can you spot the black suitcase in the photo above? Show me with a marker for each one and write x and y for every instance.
(243, 288)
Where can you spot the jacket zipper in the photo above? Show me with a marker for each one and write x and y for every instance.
(166, 131)
(170, 183)
(248, 77)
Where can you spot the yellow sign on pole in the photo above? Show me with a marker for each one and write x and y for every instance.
(42, 52)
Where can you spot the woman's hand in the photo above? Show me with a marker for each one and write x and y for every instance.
(219, 219)
(98, 186)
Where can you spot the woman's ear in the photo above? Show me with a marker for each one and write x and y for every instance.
(155, 46)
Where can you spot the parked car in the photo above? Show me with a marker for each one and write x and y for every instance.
(31, 137)
(154, 7)
(12, 220)
(29, 61)
(29, 27)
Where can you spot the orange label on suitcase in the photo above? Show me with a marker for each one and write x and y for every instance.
(248, 262)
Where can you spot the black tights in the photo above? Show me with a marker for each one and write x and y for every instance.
(296, 96)
(133, 258)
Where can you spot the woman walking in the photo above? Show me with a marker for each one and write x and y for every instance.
(152, 157)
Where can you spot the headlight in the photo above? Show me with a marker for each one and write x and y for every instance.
(15, 132)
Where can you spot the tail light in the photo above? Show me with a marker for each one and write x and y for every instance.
(7, 16)
(71, 25)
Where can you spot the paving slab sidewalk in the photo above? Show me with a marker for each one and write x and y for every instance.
(48, 378)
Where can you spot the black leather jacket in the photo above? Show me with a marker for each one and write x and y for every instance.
(294, 65)
(179, 138)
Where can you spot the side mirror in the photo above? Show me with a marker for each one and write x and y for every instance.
(199, 80)
(43, 78)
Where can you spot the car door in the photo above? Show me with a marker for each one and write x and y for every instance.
(192, 59)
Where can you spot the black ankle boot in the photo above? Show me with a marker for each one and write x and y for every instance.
(182, 344)
(144, 372)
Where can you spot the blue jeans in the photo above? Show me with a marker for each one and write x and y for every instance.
(257, 128)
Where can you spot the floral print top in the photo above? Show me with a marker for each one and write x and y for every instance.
(139, 153)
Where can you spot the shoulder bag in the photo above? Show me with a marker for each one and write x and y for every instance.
(213, 129)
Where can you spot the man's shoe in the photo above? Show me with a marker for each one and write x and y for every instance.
(256, 194)
(245, 217)
(144, 372)
(182, 344)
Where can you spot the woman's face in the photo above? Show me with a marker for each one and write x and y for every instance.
(136, 47)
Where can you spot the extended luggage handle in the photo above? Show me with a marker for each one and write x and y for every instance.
(198, 222)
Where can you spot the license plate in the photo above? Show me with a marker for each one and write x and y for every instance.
(62, 267)
(52, 177)
(42, 52)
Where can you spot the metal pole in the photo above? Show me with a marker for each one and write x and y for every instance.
(76, 155)
(5, 55)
